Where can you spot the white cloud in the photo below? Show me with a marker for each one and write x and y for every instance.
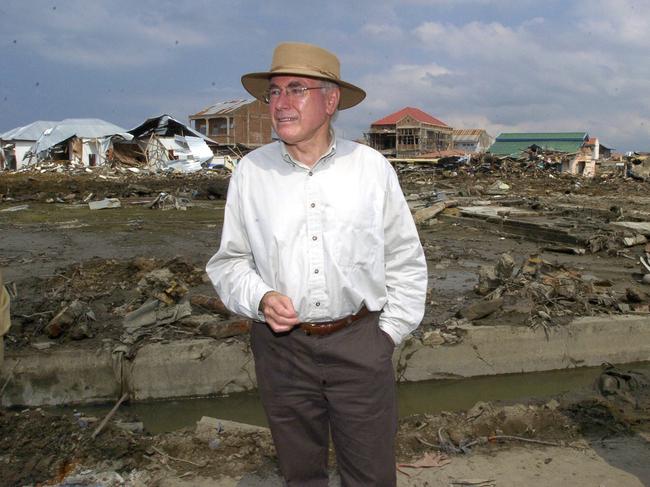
(401, 84)
(382, 31)
(617, 22)
(106, 36)
(476, 39)
(501, 64)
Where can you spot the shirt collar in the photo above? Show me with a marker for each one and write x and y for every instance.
(328, 153)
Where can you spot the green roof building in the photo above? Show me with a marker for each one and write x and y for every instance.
(512, 144)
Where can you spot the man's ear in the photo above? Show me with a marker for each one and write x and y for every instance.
(333, 97)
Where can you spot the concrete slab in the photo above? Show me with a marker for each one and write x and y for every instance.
(59, 376)
(532, 225)
(641, 227)
(496, 211)
(188, 368)
(492, 350)
(200, 367)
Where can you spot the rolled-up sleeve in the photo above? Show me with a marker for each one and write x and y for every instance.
(232, 269)
(405, 265)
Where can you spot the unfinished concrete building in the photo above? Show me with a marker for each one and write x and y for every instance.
(409, 132)
(236, 122)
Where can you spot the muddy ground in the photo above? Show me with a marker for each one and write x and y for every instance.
(41, 448)
(76, 275)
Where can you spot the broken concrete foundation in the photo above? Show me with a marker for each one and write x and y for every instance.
(199, 367)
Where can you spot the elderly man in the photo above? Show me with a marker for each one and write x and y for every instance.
(319, 248)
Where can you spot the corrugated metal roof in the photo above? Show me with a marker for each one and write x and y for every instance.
(29, 132)
(416, 113)
(224, 107)
(468, 134)
(542, 136)
(512, 144)
(461, 132)
(87, 128)
(165, 126)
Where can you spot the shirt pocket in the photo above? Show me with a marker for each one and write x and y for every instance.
(355, 230)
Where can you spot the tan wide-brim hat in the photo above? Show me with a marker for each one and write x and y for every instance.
(298, 59)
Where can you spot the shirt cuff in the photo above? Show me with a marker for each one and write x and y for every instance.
(261, 291)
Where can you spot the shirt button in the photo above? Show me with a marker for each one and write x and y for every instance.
(315, 271)
(317, 303)
(314, 237)
(311, 173)
(313, 205)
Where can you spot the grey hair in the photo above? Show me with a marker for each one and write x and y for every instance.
(329, 86)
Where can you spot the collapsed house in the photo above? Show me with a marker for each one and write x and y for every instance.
(80, 141)
(409, 132)
(571, 150)
(237, 122)
(598, 150)
(471, 141)
(17, 142)
(164, 144)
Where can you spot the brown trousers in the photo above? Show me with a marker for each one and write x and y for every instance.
(341, 384)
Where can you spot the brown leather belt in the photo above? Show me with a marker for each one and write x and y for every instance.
(328, 327)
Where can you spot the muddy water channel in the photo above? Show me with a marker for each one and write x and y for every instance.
(429, 397)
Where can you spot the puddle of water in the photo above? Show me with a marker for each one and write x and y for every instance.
(414, 398)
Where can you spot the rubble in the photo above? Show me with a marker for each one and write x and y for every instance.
(476, 263)
(540, 293)
(71, 316)
(104, 204)
(166, 201)
(430, 212)
(15, 208)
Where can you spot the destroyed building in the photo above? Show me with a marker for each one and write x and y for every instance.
(409, 132)
(571, 150)
(235, 122)
(17, 142)
(163, 143)
(81, 141)
(599, 151)
(513, 144)
(471, 141)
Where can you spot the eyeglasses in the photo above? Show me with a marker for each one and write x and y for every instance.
(292, 92)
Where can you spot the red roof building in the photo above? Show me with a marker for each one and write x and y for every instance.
(409, 132)
(415, 113)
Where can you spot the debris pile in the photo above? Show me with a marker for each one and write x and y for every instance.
(543, 294)
(126, 300)
(42, 447)
(535, 163)
(638, 166)
(73, 184)
(165, 201)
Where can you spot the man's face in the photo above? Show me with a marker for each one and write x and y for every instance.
(300, 119)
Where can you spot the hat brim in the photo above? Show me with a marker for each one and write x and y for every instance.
(258, 83)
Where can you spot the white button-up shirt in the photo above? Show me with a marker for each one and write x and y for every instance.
(332, 238)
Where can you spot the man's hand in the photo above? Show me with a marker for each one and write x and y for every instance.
(278, 311)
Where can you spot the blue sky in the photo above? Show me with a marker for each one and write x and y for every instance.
(502, 65)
